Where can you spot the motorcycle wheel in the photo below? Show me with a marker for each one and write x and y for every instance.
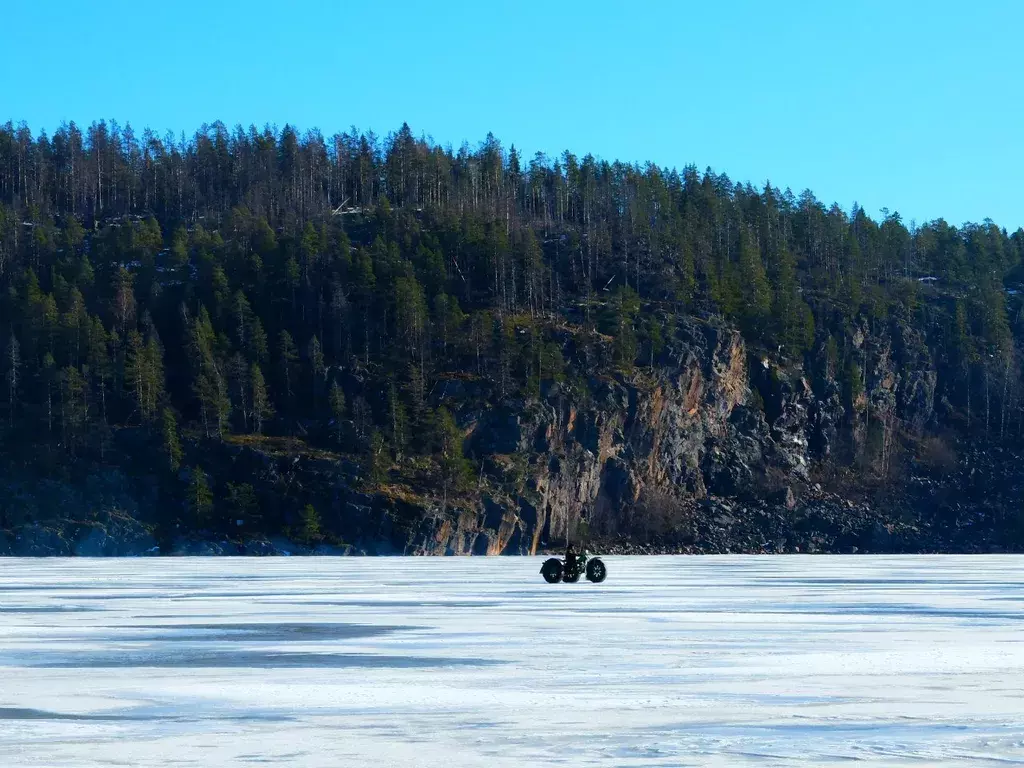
(596, 571)
(571, 578)
(552, 570)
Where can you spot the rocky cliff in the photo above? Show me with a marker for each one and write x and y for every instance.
(713, 448)
(721, 449)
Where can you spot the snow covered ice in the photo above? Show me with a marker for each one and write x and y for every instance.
(675, 661)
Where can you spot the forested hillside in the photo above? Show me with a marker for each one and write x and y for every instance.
(251, 336)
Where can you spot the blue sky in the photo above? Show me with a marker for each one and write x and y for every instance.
(915, 106)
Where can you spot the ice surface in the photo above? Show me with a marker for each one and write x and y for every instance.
(674, 661)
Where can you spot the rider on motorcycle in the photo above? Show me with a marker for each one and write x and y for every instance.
(570, 558)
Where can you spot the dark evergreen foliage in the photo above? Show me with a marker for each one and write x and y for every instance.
(161, 292)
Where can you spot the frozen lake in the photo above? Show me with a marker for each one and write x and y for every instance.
(675, 661)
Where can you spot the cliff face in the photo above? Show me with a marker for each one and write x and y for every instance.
(681, 431)
(718, 449)
(715, 448)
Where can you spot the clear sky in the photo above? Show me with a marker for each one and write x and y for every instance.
(915, 106)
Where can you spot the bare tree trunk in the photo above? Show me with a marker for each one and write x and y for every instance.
(1002, 404)
(103, 416)
(987, 400)
(968, 397)
(14, 368)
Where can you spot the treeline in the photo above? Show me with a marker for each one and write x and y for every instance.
(261, 281)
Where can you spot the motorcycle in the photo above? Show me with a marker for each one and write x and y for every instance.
(554, 570)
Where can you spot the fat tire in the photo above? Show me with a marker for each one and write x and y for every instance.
(552, 570)
(596, 571)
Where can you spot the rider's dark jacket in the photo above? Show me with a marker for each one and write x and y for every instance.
(570, 558)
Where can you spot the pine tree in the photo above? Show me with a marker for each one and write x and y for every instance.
(241, 319)
(724, 289)
(654, 339)
(50, 322)
(172, 445)
(852, 277)
(144, 374)
(74, 326)
(686, 283)
(240, 377)
(792, 320)
(215, 405)
(416, 396)
(399, 422)
(455, 471)
(287, 355)
(996, 325)
(104, 359)
(309, 525)
(261, 408)
(210, 386)
(999, 341)
(74, 409)
(123, 307)
(533, 272)
(49, 380)
(178, 261)
(964, 352)
(754, 287)
(378, 458)
(241, 500)
(257, 339)
(627, 306)
(135, 372)
(200, 498)
(362, 417)
(154, 374)
(481, 334)
(448, 319)
(317, 368)
(336, 400)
